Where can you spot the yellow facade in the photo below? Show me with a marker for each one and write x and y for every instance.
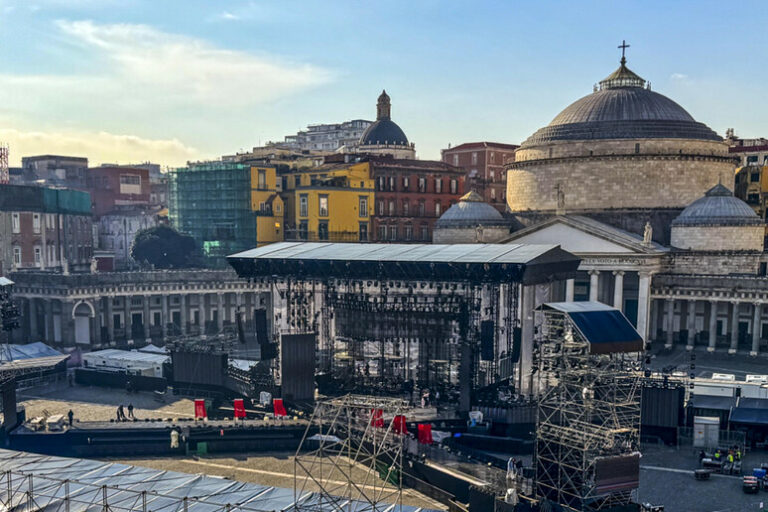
(267, 205)
(332, 203)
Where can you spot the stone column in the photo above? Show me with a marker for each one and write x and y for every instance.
(183, 311)
(570, 285)
(712, 325)
(594, 283)
(128, 323)
(203, 314)
(165, 318)
(670, 323)
(110, 320)
(33, 327)
(67, 323)
(98, 307)
(756, 325)
(146, 319)
(618, 290)
(643, 303)
(220, 306)
(734, 328)
(48, 320)
(691, 318)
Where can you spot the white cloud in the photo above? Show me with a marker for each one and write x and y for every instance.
(99, 147)
(226, 15)
(679, 76)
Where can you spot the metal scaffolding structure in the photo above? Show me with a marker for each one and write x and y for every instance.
(356, 458)
(4, 172)
(588, 416)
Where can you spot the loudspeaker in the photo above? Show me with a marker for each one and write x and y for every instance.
(517, 342)
(486, 340)
(260, 326)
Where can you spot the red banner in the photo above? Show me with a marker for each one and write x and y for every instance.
(239, 408)
(200, 411)
(425, 433)
(377, 418)
(399, 425)
(277, 405)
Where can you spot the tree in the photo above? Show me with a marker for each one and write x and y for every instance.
(164, 247)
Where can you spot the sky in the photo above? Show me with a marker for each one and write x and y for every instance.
(167, 81)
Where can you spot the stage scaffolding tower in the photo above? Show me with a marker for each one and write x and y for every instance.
(588, 417)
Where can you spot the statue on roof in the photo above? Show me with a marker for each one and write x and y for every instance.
(647, 234)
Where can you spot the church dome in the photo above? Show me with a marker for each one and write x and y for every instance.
(622, 108)
(718, 207)
(471, 211)
(384, 131)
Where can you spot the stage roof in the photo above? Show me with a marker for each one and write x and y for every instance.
(605, 328)
(529, 264)
(166, 491)
(749, 416)
(29, 351)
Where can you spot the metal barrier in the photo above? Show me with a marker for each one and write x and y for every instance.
(725, 438)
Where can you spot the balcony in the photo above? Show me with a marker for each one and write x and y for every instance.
(295, 235)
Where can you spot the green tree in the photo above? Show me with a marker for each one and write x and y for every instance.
(164, 247)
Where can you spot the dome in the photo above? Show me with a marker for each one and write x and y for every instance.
(384, 131)
(471, 211)
(623, 108)
(718, 207)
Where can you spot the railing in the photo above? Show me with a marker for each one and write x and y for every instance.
(295, 235)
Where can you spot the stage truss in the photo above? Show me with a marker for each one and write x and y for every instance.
(355, 460)
(588, 416)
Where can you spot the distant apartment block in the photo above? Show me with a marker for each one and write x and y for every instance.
(53, 170)
(327, 137)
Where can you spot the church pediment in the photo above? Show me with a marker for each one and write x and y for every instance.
(583, 236)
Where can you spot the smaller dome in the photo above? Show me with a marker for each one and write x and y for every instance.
(471, 211)
(718, 207)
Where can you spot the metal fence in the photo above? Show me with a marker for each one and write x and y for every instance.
(725, 438)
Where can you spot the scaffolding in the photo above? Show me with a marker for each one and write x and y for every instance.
(356, 457)
(5, 176)
(588, 417)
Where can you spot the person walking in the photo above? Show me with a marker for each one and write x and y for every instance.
(71, 416)
(120, 413)
(130, 412)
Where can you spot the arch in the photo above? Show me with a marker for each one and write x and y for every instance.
(92, 312)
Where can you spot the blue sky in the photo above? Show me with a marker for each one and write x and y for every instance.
(172, 80)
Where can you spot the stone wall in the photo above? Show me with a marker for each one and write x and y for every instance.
(468, 235)
(659, 176)
(714, 263)
(718, 238)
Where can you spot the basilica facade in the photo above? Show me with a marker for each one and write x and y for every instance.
(629, 181)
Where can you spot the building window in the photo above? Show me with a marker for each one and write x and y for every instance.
(406, 183)
(322, 205)
(754, 177)
(391, 183)
(381, 183)
(363, 232)
(493, 194)
(421, 208)
(424, 232)
(391, 208)
(36, 222)
(16, 220)
(456, 160)
(363, 206)
(438, 186)
(382, 233)
(262, 179)
(38, 254)
(637, 148)
(493, 157)
(303, 230)
(322, 230)
(493, 175)
(437, 209)
(408, 232)
(381, 207)
(17, 255)
(303, 205)
(474, 158)
(116, 321)
(393, 232)
(454, 187)
(406, 207)
(422, 184)
(130, 179)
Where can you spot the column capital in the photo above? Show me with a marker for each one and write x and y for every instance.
(593, 272)
(618, 272)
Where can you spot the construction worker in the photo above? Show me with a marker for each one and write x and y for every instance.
(738, 454)
(730, 458)
(717, 455)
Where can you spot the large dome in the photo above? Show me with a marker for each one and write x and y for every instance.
(718, 207)
(623, 108)
(384, 131)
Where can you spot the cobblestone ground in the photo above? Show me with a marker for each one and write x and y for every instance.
(100, 404)
(273, 469)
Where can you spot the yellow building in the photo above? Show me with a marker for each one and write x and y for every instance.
(331, 202)
(267, 204)
(752, 187)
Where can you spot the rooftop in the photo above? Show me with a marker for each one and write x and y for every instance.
(718, 207)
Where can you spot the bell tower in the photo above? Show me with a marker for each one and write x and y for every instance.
(383, 106)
